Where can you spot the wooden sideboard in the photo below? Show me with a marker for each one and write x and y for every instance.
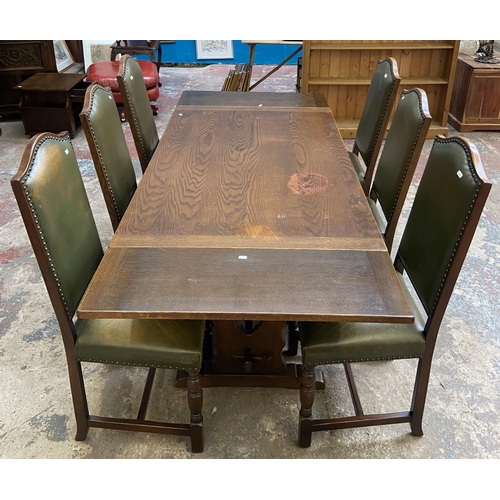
(342, 70)
(20, 59)
(475, 101)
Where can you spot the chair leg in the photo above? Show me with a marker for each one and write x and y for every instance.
(307, 393)
(79, 399)
(419, 396)
(195, 402)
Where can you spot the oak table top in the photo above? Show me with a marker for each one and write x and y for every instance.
(250, 209)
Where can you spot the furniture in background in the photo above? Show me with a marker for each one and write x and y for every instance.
(238, 79)
(147, 47)
(107, 144)
(105, 74)
(475, 101)
(20, 59)
(51, 102)
(341, 70)
(377, 109)
(398, 160)
(51, 196)
(253, 43)
(249, 215)
(137, 109)
(446, 210)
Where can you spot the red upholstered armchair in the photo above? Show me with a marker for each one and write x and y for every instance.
(104, 73)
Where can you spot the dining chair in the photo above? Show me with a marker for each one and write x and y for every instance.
(374, 118)
(103, 130)
(398, 160)
(137, 109)
(55, 209)
(446, 210)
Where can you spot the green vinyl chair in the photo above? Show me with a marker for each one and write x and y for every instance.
(446, 210)
(398, 160)
(55, 209)
(108, 147)
(137, 109)
(374, 119)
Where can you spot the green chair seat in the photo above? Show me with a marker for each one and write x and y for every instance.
(356, 163)
(174, 344)
(381, 223)
(333, 343)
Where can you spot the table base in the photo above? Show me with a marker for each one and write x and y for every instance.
(249, 354)
(291, 381)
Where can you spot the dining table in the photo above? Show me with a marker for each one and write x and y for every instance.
(251, 217)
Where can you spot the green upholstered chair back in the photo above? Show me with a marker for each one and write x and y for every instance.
(400, 156)
(137, 106)
(103, 129)
(53, 202)
(377, 109)
(447, 206)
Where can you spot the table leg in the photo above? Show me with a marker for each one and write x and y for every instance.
(248, 354)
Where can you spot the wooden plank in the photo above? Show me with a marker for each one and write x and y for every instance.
(202, 184)
(198, 283)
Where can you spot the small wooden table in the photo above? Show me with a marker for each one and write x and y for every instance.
(51, 102)
(250, 211)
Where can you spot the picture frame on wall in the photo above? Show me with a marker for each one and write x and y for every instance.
(64, 59)
(214, 49)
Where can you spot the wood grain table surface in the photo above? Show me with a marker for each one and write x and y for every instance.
(249, 209)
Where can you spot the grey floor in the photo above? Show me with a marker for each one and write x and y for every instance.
(36, 415)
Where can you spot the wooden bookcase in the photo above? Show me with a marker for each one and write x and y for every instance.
(342, 69)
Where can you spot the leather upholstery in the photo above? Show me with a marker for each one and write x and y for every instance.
(104, 73)
(375, 108)
(333, 343)
(59, 200)
(55, 190)
(133, 90)
(433, 229)
(381, 222)
(175, 344)
(398, 150)
(360, 170)
(113, 156)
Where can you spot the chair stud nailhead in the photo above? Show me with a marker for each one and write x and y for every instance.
(95, 88)
(35, 217)
(411, 154)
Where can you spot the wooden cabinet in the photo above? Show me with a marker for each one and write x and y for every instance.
(51, 102)
(475, 101)
(20, 59)
(342, 69)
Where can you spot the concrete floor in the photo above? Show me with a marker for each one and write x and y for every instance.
(36, 415)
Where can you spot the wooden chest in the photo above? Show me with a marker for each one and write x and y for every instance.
(475, 101)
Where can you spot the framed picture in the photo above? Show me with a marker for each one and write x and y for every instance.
(96, 51)
(214, 49)
(64, 59)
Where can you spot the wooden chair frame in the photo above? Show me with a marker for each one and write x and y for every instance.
(130, 112)
(84, 420)
(307, 425)
(95, 151)
(392, 220)
(370, 167)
